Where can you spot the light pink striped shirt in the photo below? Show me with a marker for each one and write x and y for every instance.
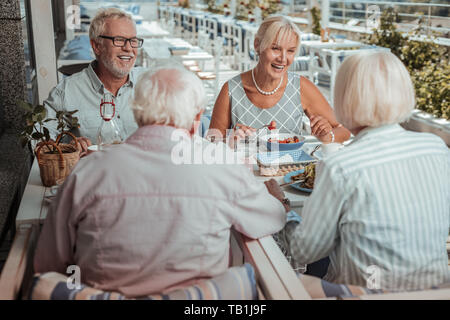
(137, 223)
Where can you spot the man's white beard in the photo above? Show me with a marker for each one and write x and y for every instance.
(114, 69)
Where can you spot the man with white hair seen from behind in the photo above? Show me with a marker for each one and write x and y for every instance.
(380, 206)
(112, 34)
(137, 222)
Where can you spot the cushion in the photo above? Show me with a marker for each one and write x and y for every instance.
(204, 125)
(319, 289)
(237, 283)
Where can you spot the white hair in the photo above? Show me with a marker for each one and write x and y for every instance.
(373, 89)
(275, 29)
(97, 26)
(168, 95)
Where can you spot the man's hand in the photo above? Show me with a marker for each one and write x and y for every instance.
(84, 144)
(274, 189)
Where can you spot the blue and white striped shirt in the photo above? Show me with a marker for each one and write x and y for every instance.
(383, 200)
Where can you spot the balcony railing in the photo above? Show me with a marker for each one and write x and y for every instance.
(344, 11)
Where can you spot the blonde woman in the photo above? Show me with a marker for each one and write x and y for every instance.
(269, 92)
(380, 206)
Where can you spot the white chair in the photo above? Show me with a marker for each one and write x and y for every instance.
(211, 78)
(203, 40)
(212, 28)
(250, 58)
(238, 52)
(227, 34)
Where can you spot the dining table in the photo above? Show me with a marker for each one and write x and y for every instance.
(151, 29)
(158, 50)
(273, 270)
(36, 197)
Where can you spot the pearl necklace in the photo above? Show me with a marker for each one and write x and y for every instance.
(266, 93)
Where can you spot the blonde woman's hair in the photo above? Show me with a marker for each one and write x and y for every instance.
(275, 29)
(97, 26)
(168, 95)
(373, 89)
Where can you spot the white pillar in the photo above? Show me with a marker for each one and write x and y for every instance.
(44, 47)
(258, 16)
(70, 32)
(233, 8)
(325, 14)
(310, 5)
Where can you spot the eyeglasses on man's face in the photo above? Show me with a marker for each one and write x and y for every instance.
(122, 42)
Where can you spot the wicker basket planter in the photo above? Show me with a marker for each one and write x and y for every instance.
(54, 167)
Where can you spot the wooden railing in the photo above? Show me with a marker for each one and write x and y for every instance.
(17, 272)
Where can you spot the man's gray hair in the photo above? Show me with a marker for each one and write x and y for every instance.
(168, 96)
(97, 26)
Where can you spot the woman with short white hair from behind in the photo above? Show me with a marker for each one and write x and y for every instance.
(380, 204)
(373, 90)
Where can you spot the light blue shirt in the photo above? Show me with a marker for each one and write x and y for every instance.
(383, 201)
(83, 91)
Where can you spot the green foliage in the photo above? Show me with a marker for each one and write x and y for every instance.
(211, 5)
(426, 61)
(184, 3)
(315, 14)
(387, 35)
(269, 7)
(35, 118)
(418, 54)
(245, 8)
(432, 85)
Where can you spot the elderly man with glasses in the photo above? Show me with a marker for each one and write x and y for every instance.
(113, 39)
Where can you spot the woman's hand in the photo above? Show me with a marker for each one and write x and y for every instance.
(321, 128)
(241, 131)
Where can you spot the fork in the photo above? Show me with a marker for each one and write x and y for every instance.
(264, 126)
(315, 149)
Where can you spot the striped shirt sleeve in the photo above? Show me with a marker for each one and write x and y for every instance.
(315, 237)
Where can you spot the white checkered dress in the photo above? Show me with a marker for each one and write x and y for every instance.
(288, 112)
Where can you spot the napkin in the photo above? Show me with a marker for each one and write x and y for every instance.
(287, 158)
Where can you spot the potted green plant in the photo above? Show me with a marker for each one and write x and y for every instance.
(315, 14)
(55, 159)
(426, 61)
